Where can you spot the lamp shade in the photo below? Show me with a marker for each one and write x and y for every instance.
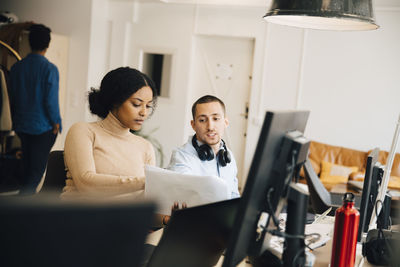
(342, 15)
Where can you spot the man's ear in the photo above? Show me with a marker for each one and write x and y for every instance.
(192, 123)
(226, 122)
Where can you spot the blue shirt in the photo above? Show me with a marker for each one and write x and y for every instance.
(34, 95)
(186, 160)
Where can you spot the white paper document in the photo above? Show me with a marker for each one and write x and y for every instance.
(167, 187)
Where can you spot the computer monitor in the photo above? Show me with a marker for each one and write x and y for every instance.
(376, 186)
(369, 193)
(44, 231)
(196, 236)
(267, 181)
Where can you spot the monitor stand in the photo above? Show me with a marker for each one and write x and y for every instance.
(383, 221)
(294, 248)
(293, 253)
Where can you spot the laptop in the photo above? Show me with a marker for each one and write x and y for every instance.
(195, 237)
(44, 231)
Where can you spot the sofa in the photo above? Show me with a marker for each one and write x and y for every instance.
(335, 164)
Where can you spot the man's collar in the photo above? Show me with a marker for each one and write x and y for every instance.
(201, 143)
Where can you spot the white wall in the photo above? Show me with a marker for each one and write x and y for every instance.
(349, 80)
(99, 49)
(164, 28)
(351, 83)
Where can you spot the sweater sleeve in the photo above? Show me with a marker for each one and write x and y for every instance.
(80, 163)
(150, 155)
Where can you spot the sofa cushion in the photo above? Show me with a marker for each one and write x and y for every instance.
(335, 173)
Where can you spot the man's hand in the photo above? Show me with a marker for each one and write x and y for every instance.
(174, 208)
(56, 128)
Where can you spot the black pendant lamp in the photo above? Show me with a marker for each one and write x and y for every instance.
(341, 15)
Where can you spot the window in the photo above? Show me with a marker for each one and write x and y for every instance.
(158, 68)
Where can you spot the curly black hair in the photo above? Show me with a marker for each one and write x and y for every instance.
(116, 87)
(39, 37)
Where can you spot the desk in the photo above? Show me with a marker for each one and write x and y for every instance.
(154, 237)
(345, 187)
(322, 254)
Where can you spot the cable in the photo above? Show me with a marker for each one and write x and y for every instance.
(290, 170)
(270, 210)
(277, 232)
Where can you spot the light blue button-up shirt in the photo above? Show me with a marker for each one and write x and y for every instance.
(186, 160)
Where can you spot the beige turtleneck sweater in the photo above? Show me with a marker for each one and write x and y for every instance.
(104, 158)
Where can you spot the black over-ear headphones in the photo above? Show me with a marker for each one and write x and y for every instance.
(205, 152)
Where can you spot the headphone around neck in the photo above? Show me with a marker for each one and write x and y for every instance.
(205, 152)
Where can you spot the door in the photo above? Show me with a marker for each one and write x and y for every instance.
(223, 67)
(57, 53)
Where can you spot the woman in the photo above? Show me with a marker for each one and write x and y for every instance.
(104, 158)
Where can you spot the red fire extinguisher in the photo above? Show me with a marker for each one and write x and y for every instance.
(345, 233)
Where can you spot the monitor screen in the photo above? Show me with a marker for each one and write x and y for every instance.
(196, 236)
(265, 176)
(376, 186)
(367, 194)
(44, 231)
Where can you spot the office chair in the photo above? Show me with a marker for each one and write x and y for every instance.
(321, 199)
(55, 177)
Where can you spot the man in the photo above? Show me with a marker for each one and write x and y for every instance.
(206, 153)
(34, 107)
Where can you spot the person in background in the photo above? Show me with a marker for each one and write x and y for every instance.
(34, 107)
(206, 153)
(104, 159)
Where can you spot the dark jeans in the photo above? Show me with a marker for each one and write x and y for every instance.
(35, 153)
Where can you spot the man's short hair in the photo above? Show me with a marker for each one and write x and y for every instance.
(206, 99)
(39, 37)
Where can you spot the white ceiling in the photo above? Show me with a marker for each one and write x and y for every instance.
(262, 3)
